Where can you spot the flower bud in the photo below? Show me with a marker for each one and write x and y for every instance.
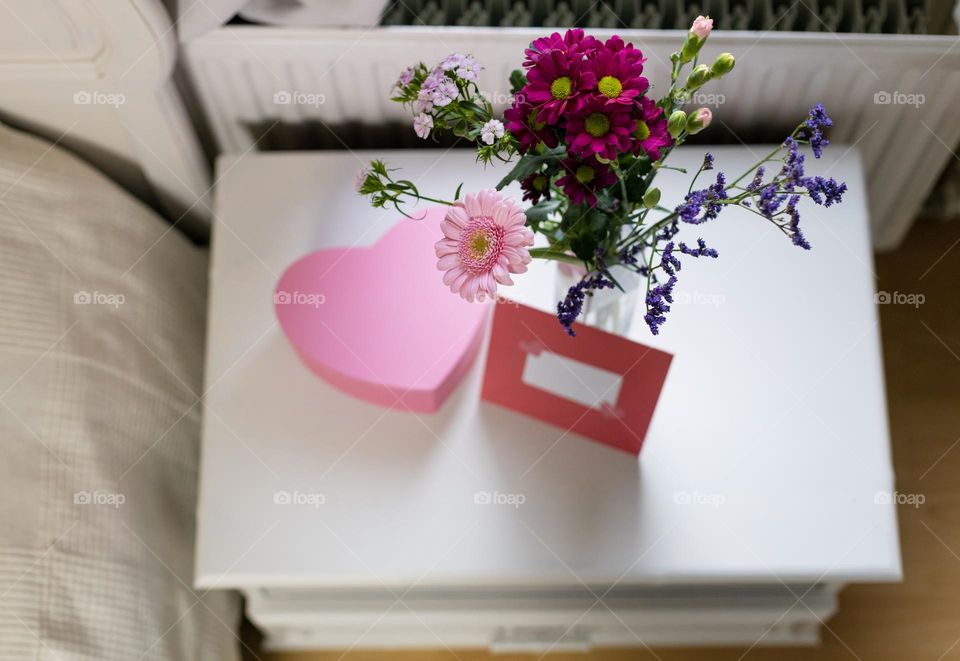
(677, 123)
(702, 25)
(699, 31)
(699, 120)
(651, 198)
(700, 75)
(722, 65)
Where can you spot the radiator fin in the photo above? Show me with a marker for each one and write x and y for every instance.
(871, 17)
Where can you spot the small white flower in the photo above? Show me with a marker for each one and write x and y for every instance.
(491, 131)
(422, 124)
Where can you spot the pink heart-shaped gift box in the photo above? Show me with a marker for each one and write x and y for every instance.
(377, 322)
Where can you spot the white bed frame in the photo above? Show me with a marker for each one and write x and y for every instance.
(96, 77)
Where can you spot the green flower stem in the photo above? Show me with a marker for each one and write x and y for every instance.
(555, 255)
(433, 199)
(766, 159)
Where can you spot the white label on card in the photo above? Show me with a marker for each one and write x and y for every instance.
(571, 379)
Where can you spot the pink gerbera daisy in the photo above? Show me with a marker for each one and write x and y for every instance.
(573, 41)
(584, 178)
(651, 133)
(617, 68)
(485, 240)
(521, 120)
(600, 128)
(557, 84)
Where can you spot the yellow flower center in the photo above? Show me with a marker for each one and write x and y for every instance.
(540, 182)
(561, 87)
(642, 132)
(481, 244)
(478, 245)
(610, 86)
(597, 124)
(584, 174)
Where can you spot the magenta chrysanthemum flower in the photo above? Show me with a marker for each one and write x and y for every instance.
(651, 132)
(535, 187)
(600, 128)
(485, 240)
(617, 45)
(557, 84)
(617, 68)
(584, 178)
(573, 41)
(522, 122)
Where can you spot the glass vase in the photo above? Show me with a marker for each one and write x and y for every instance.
(611, 310)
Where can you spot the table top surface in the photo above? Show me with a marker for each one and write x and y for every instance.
(763, 462)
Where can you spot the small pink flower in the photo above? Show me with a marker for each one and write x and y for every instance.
(422, 125)
(360, 178)
(406, 76)
(702, 25)
(485, 240)
(700, 119)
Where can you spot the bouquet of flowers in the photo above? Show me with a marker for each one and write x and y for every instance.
(587, 141)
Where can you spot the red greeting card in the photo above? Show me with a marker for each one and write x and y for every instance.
(601, 386)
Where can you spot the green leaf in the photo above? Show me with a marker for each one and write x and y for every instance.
(530, 163)
(542, 210)
(635, 180)
(518, 81)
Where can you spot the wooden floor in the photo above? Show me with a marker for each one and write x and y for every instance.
(920, 618)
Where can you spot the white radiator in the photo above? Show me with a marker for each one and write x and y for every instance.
(895, 97)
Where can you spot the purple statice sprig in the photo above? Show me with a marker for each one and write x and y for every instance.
(658, 301)
(703, 205)
(569, 309)
(659, 296)
(814, 126)
(776, 197)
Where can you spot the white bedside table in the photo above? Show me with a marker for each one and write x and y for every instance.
(754, 499)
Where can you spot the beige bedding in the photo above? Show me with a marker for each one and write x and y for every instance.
(101, 346)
